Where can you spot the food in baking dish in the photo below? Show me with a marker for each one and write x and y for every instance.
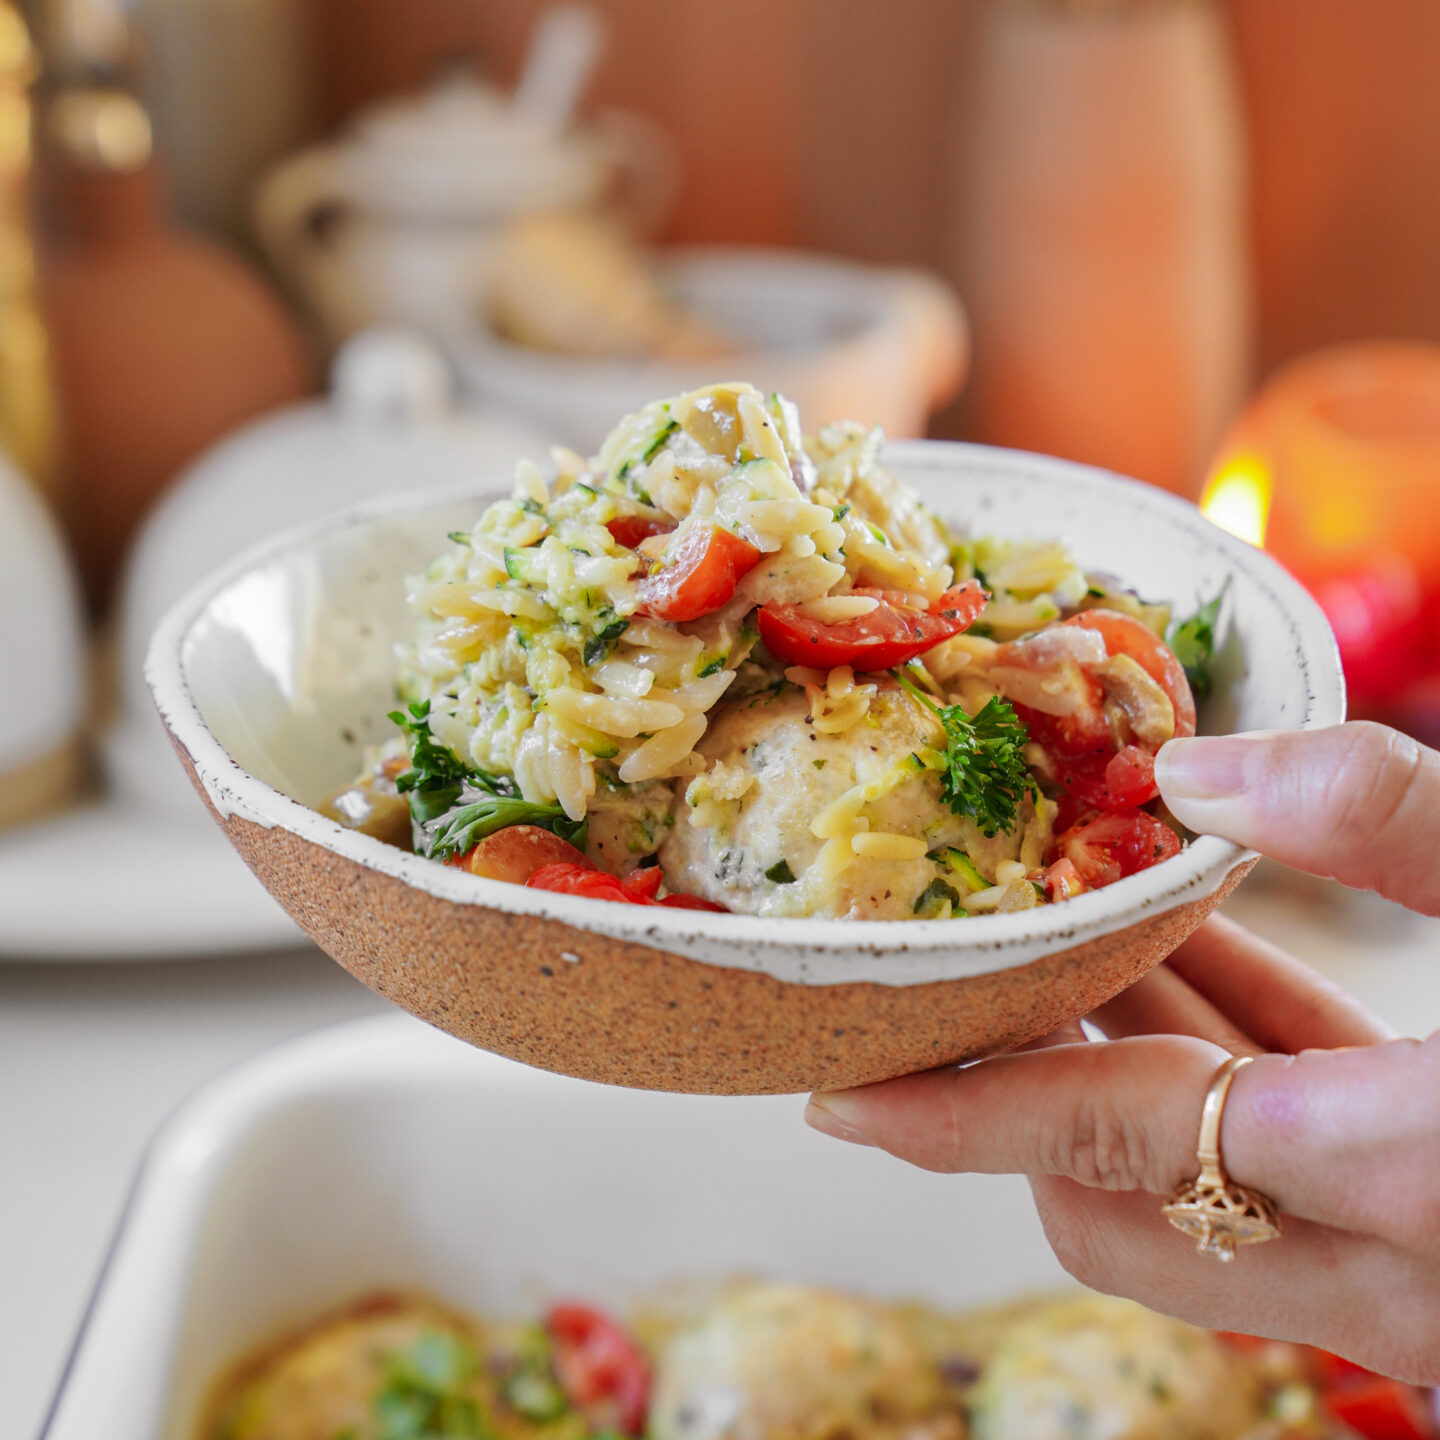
(725, 666)
(761, 1360)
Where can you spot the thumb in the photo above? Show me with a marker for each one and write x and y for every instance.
(1358, 802)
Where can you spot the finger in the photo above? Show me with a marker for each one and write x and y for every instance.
(1346, 1137)
(1119, 1116)
(1070, 1033)
(1351, 1294)
(1341, 1137)
(1270, 995)
(1356, 802)
(1161, 1003)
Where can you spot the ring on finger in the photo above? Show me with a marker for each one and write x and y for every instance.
(1219, 1214)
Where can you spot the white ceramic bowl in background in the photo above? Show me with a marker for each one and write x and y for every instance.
(389, 426)
(275, 675)
(838, 337)
(171, 887)
(383, 1154)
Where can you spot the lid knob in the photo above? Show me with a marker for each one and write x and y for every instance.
(393, 374)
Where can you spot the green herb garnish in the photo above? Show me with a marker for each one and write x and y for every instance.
(461, 537)
(1193, 642)
(531, 1389)
(435, 777)
(780, 873)
(466, 826)
(984, 773)
(713, 666)
(455, 806)
(426, 1393)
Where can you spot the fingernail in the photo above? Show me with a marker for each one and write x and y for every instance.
(1206, 768)
(825, 1114)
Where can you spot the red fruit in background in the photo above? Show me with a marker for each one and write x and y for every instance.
(1380, 624)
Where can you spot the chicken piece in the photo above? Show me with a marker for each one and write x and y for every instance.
(325, 1382)
(756, 852)
(784, 1362)
(1097, 1368)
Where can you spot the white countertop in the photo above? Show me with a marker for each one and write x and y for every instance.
(93, 1057)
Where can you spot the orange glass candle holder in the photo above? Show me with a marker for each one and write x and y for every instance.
(1334, 468)
(1335, 465)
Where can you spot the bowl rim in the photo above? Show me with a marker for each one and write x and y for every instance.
(803, 950)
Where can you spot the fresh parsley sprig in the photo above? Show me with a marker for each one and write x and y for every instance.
(429, 1393)
(984, 774)
(454, 806)
(1193, 641)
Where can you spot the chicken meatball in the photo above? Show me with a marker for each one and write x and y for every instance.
(778, 772)
(1096, 1368)
(784, 1362)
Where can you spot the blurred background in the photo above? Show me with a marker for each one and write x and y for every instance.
(262, 258)
(1130, 232)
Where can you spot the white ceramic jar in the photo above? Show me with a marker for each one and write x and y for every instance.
(394, 222)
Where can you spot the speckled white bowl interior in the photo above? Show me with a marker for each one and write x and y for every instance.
(276, 673)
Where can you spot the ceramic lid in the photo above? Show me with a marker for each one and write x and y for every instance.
(390, 425)
(41, 629)
(462, 149)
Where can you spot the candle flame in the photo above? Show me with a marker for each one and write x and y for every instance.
(1237, 498)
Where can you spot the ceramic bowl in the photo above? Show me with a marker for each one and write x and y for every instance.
(275, 674)
(380, 1154)
(839, 338)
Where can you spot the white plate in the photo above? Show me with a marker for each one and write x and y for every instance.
(111, 882)
(382, 1153)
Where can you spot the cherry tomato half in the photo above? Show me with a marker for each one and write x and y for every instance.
(1125, 635)
(637, 888)
(516, 853)
(630, 530)
(1061, 880)
(891, 634)
(700, 577)
(598, 1363)
(1381, 1409)
(1107, 848)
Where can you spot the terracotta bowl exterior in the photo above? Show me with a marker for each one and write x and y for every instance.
(274, 675)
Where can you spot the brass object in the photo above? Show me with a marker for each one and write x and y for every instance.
(1218, 1213)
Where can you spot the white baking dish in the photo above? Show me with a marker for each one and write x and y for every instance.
(384, 1153)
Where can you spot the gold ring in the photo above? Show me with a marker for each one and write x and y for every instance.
(1220, 1214)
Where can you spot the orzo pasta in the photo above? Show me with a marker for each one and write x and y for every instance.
(724, 665)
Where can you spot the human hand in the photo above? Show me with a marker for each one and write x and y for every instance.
(1336, 1120)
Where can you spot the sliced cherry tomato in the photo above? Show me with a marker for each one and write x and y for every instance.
(700, 577)
(1107, 848)
(1381, 1409)
(693, 902)
(1130, 779)
(516, 853)
(1125, 635)
(598, 1364)
(630, 530)
(637, 888)
(1061, 880)
(891, 634)
(1336, 1370)
(644, 883)
(1238, 1340)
